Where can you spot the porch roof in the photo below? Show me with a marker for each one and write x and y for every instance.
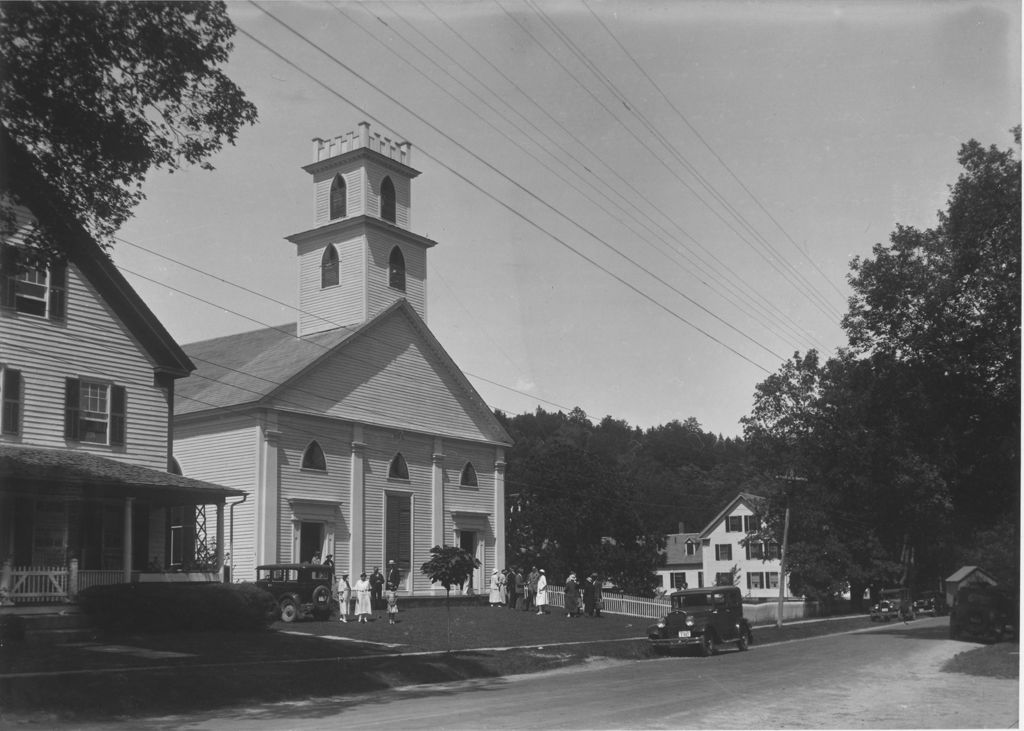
(84, 469)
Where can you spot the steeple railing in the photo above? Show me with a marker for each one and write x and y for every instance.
(324, 149)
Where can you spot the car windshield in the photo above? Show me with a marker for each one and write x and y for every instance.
(691, 600)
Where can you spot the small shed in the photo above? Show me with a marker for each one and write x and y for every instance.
(964, 576)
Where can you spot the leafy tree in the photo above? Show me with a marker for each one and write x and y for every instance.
(448, 566)
(100, 93)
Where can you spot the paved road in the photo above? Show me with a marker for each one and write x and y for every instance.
(884, 677)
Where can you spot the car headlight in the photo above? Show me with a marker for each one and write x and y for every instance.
(689, 621)
(661, 624)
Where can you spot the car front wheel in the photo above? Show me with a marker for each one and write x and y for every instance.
(708, 645)
(289, 611)
(743, 642)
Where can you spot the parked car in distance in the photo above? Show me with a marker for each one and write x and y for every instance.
(704, 618)
(931, 602)
(884, 611)
(983, 612)
(893, 603)
(301, 589)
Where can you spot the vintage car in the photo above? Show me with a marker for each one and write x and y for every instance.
(704, 618)
(894, 603)
(931, 602)
(301, 589)
(982, 612)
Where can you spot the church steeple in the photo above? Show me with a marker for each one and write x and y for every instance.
(361, 255)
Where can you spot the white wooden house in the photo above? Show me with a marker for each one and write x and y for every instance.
(352, 431)
(87, 379)
(731, 556)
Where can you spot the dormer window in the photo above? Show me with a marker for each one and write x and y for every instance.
(329, 266)
(387, 200)
(339, 197)
(38, 292)
(396, 270)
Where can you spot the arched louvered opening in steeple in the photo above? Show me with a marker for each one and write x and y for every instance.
(396, 270)
(387, 200)
(339, 197)
(329, 267)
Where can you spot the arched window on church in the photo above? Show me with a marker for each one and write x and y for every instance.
(468, 478)
(396, 270)
(398, 469)
(329, 267)
(313, 458)
(339, 197)
(173, 467)
(387, 200)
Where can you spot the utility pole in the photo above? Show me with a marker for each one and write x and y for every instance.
(790, 476)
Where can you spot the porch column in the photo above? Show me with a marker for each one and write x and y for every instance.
(220, 540)
(499, 509)
(437, 495)
(358, 550)
(128, 503)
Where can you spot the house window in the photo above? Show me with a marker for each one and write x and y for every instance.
(691, 548)
(773, 579)
(329, 268)
(398, 469)
(755, 551)
(94, 412)
(723, 552)
(468, 478)
(700, 579)
(313, 458)
(755, 580)
(38, 292)
(339, 197)
(181, 532)
(734, 524)
(10, 392)
(678, 579)
(751, 523)
(771, 551)
(396, 270)
(387, 200)
(723, 578)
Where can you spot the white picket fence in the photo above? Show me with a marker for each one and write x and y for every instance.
(632, 606)
(37, 584)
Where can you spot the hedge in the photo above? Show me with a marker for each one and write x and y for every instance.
(170, 607)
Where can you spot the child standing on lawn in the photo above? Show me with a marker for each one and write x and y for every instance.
(392, 599)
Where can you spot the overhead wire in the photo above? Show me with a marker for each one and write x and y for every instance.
(562, 242)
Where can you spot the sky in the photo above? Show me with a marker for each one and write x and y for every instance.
(641, 209)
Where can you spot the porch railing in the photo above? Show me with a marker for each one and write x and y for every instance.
(37, 584)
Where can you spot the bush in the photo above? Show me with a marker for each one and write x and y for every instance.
(170, 607)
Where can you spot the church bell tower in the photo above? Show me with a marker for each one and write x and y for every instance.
(361, 255)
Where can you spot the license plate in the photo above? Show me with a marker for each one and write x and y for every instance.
(684, 633)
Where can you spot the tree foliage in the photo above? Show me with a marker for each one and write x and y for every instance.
(449, 566)
(910, 437)
(100, 93)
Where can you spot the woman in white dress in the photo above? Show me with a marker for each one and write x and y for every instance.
(344, 597)
(495, 596)
(363, 608)
(542, 593)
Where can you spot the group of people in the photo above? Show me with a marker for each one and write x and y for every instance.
(515, 590)
(583, 598)
(372, 593)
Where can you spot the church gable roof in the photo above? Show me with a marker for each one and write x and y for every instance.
(390, 371)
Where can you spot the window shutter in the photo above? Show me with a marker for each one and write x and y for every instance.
(11, 416)
(118, 403)
(8, 268)
(72, 404)
(58, 290)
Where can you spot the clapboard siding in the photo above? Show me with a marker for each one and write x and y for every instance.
(389, 378)
(333, 485)
(226, 453)
(381, 294)
(381, 447)
(345, 304)
(92, 344)
(354, 187)
(375, 174)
